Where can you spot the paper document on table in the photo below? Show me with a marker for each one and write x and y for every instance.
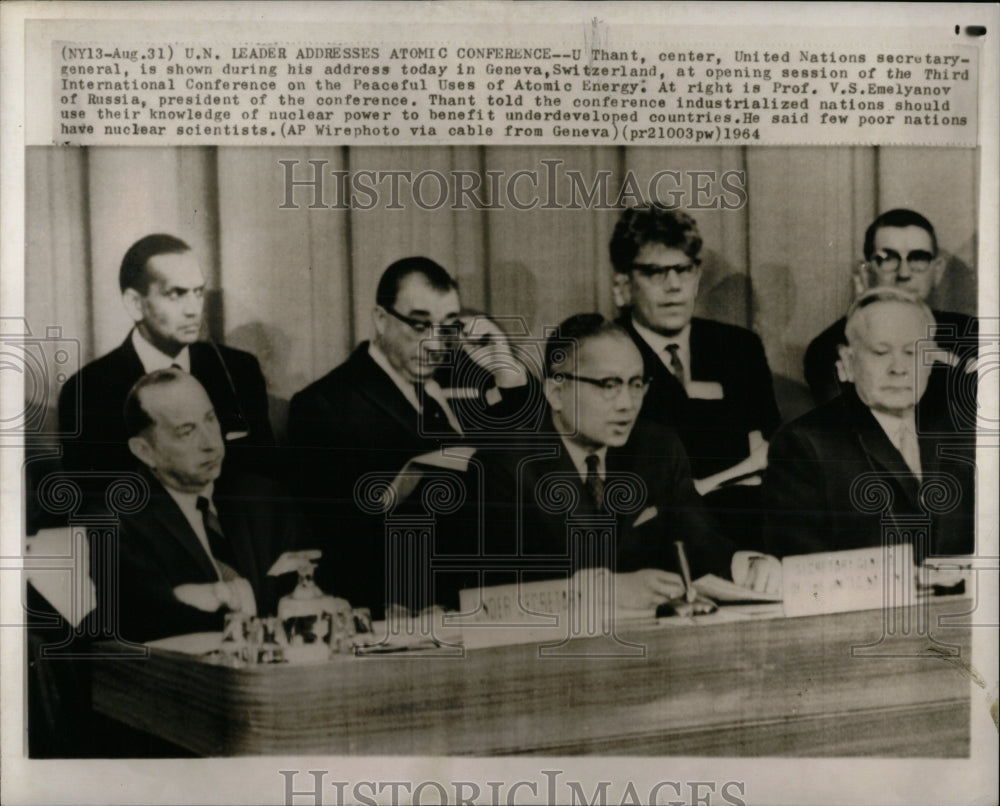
(722, 590)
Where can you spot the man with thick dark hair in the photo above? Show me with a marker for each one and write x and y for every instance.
(826, 468)
(163, 291)
(901, 251)
(414, 388)
(710, 381)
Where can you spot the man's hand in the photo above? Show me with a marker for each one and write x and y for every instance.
(758, 572)
(645, 589)
(487, 345)
(235, 595)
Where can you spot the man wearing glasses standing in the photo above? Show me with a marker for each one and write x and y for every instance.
(417, 386)
(710, 380)
(900, 251)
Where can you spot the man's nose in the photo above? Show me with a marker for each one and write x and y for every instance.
(623, 400)
(192, 305)
(673, 281)
(210, 437)
(900, 364)
(903, 272)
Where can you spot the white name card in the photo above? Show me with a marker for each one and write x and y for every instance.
(531, 612)
(840, 581)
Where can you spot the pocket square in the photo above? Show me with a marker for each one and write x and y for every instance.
(646, 515)
(705, 390)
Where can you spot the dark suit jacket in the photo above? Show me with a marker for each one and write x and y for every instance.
(102, 386)
(355, 421)
(714, 432)
(158, 550)
(669, 508)
(813, 462)
(956, 332)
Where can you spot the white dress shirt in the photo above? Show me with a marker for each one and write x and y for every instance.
(579, 456)
(893, 425)
(153, 359)
(431, 387)
(659, 343)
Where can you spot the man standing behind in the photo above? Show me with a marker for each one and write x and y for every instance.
(391, 402)
(202, 544)
(811, 503)
(710, 381)
(901, 251)
(163, 291)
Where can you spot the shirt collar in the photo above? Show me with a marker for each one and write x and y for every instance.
(579, 456)
(405, 386)
(188, 502)
(153, 359)
(658, 342)
(891, 424)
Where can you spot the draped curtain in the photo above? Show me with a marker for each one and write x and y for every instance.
(296, 286)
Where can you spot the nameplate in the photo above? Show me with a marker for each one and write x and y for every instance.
(532, 612)
(841, 581)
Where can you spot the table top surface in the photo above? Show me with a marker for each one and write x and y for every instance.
(863, 683)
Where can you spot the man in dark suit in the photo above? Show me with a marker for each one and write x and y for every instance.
(162, 289)
(412, 390)
(202, 544)
(597, 456)
(901, 251)
(858, 469)
(710, 381)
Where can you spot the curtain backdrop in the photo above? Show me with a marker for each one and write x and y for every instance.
(296, 286)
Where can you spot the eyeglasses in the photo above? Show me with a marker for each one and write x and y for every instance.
(887, 261)
(658, 274)
(447, 329)
(611, 386)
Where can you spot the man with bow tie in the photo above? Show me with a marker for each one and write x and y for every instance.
(871, 434)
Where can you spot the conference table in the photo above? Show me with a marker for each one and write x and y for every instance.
(885, 683)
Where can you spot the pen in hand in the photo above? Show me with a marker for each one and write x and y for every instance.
(689, 592)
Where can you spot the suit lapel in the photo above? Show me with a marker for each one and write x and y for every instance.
(173, 523)
(882, 454)
(236, 521)
(380, 391)
(129, 365)
(662, 377)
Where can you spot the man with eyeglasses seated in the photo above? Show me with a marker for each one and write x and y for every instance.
(416, 386)
(710, 380)
(901, 251)
(616, 464)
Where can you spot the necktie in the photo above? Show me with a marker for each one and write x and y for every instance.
(594, 483)
(435, 420)
(676, 365)
(910, 448)
(222, 550)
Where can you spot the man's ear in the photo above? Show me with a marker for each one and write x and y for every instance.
(142, 450)
(937, 270)
(621, 290)
(552, 389)
(132, 300)
(378, 319)
(844, 371)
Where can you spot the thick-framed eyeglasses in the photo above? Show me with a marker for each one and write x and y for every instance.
(453, 329)
(658, 274)
(887, 261)
(611, 386)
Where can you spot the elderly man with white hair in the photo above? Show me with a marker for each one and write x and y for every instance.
(812, 502)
